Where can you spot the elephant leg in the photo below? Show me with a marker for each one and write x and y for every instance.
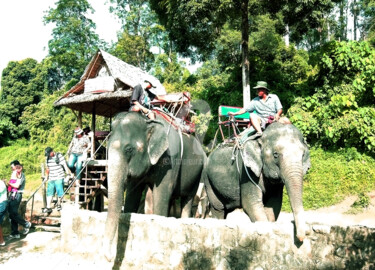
(213, 203)
(134, 192)
(252, 202)
(186, 206)
(162, 193)
(273, 201)
(187, 201)
(218, 213)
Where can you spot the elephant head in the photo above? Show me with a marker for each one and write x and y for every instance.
(281, 156)
(135, 145)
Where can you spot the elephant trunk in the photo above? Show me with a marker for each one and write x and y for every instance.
(293, 179)
(116, 184)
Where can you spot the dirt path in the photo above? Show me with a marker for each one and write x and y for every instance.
(41, 250)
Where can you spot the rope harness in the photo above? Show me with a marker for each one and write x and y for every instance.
(238, 148)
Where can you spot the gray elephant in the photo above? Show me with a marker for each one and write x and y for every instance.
(150, 153)
(253, 176)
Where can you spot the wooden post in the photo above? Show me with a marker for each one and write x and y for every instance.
(245, 52)
(80, 119)
(44, 191)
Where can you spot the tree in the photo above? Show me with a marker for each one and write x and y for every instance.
(341, 111)
(23, 83)
(74, 40)
(133, 49)
(195, 25)
(141, 32)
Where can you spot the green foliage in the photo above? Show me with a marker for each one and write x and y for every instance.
(341, 112)
(134, 50)
(193, 26)
(47, 124)
(30, 156)
(363, 201)
(141, 32)
(335, 175)
(74, 38)
(201, 122)
(172, 71)
(23, 83)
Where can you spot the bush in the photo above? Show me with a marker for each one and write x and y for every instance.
(333, 176)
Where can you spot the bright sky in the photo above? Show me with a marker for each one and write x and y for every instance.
(23, 34)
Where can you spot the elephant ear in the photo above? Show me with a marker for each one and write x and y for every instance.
(306, 159)
(252, 156)
(157, 138)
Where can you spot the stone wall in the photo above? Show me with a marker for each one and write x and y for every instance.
(154, 242)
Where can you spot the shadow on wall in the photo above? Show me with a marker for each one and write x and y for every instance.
(360, 244)
(197, 260)
(238, 258)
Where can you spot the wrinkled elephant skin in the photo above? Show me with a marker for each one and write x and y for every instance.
(256, 178)
(150, 153)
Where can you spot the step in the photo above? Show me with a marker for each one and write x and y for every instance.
(46, 220)
(88, 186)
(47, 228)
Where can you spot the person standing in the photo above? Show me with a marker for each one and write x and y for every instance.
(56, 169)
(261, 108)
(78, 150)
(14, 202)
(3, 208)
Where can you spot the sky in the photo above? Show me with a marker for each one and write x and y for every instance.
(23, 34)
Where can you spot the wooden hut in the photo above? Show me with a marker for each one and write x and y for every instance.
(104, 89)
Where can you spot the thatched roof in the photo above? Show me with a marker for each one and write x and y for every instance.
(109, 101)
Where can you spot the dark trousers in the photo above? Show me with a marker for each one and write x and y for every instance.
(15, 218)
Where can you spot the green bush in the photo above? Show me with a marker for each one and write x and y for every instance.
(341, 111)
(333, 176)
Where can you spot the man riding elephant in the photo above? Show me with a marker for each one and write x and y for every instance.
(264, 108)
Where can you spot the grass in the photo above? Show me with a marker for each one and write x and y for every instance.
(31, 157)
(333, 176)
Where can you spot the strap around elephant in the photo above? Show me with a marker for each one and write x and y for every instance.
(240, 148)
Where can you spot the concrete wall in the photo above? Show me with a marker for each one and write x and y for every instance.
(154, 242)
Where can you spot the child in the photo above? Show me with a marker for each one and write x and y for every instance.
(16, 175)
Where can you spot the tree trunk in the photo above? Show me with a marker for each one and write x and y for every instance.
(355, 19)
(286, 37)
(245, 52)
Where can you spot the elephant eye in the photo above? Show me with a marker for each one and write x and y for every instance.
(275, 154)
(129, 151)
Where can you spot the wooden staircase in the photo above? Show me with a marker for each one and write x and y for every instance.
(92, 188)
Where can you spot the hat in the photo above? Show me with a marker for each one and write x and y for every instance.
(261, 84)
(78, 131)
(48, 151)
(152, 86)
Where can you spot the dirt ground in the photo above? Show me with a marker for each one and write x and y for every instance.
(41, 250)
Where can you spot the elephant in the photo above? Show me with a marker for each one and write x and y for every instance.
(253, 174)
(150, 153)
